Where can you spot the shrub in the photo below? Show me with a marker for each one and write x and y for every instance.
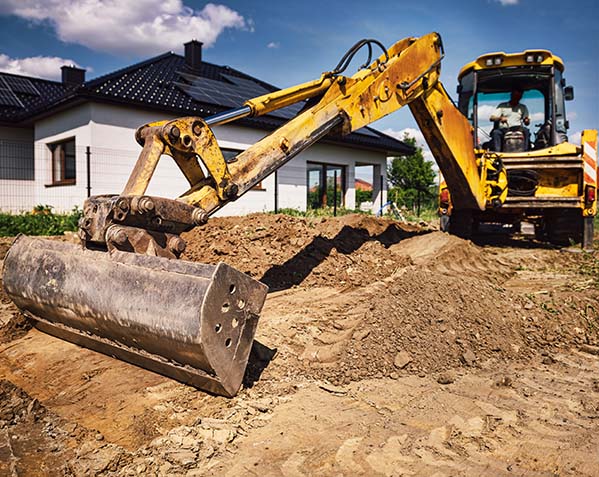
(320, 212)
(40, 221)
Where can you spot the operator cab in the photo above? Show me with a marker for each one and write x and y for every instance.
(489, 81)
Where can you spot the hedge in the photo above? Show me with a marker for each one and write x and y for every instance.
(40, 221)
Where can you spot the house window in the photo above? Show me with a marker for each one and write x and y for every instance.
(364, 186)
(326, 185)
(16, 160)
(230, 155)
(63, 162)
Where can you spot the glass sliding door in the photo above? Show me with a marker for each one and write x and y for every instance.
(315, 189)
(334, 192)
(326, 185)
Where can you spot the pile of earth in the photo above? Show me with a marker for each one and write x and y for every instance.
(12, 323)
(5, 243)
(449, 307)
(419, 322)
(283, 251)
(383, 299)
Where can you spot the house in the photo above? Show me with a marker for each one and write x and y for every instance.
(61, 141)
(361, 184)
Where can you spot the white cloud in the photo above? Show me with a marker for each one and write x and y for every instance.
(113, 26)
(411, 132)
(485, 111)
(38, 66)
(420, 142)
(506, 3)
(574, 137)
(273, 44)
(540, 116)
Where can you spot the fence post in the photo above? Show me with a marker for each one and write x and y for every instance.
(88, 155)
(335, 193)
(276, 192)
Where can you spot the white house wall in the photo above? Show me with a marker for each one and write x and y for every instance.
(72, 123)
(110, 133)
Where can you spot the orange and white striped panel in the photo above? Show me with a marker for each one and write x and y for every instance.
(589, 153)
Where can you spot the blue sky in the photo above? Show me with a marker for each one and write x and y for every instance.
(288, 42)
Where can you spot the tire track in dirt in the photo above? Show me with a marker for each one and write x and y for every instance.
(489, 423)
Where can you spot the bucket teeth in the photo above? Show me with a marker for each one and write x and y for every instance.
(190, 321)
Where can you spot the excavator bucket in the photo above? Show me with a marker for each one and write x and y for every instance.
(190, 321)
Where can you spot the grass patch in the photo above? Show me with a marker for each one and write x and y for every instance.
(323, 212)
(426, 215)
(589, 267)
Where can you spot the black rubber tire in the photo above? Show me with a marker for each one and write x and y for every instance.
(564, 227)
(461, 223)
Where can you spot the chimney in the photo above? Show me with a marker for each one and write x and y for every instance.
(193, 54)
(72, 76)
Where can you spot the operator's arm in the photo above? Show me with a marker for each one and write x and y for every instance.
(498, 114)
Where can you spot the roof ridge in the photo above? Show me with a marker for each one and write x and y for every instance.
(235, 70)
(127, 69)
(30, 77)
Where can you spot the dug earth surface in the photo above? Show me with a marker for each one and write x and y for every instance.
(383, 349)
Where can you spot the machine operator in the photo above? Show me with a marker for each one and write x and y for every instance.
(508, 115)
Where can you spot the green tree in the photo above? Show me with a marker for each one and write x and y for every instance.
(411, 176)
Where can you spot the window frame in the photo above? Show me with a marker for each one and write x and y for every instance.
(322, 192)
(63, 158)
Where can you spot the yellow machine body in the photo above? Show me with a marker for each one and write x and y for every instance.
(561, 200)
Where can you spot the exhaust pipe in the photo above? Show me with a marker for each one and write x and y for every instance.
(192, 322)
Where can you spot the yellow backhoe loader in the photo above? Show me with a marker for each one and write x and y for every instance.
(124, 292)
(551, 182)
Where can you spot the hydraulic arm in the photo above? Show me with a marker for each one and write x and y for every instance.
(196, 322)
(407, 73)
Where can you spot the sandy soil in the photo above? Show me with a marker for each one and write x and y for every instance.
(382, 350)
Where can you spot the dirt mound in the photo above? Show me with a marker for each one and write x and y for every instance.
(12, 323)
(5, 243)
(449, 309)
(421, 321)
(453, 256)
(413, 302)
(284, 251)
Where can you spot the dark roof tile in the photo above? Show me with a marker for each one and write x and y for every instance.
(44, 94)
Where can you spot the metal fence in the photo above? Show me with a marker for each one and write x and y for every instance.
(33, 174)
